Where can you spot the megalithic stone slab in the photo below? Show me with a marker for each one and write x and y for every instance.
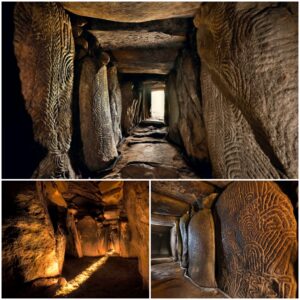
(115, 101)
(178, 240)
(99, 147)
(259, 241)
(29, 246)
(257, 90)
(44, 49)
(91, 237)
(201, 249)
(183, 225)
(173, 243)
(73, 240)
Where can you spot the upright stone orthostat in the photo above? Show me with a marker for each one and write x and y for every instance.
(99, 147)
(44, 49)
(183, 224)
(259, 241)
(115, 101)
(249, 55)
(201, 249)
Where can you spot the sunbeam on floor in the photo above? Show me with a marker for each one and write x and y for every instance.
(75, 283)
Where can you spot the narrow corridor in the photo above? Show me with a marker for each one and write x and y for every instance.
(146, 153)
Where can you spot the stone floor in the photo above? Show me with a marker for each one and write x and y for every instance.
(147, 154)
(115, 277)
(168, 281)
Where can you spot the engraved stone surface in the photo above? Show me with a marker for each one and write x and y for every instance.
(97, 134)
(259, 241)
(44, 48)
(249, 88)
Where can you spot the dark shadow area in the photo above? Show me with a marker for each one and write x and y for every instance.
(20, 153)
(117, 278)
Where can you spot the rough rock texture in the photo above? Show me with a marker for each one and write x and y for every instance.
(115, 102)
(126, 12)
(145, 61)
(178, 241)
(259, 241)
(188, 114)
(172, 111)
(173, 242)
(93, 240)
(96, 126)
(44, 49)
(163, 220)
(136, 202)
(183, 225)
(201, 249)
(187, 191)
(250, 88)
(125, 238)
(73, 240)
(168, 281)
(167, 205)
(29, 249)
(136, 39)
(130, 105)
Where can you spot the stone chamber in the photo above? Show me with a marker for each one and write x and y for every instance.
(226, 239)
(67, 239)
(80, 78)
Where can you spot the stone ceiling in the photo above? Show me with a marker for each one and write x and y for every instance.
(143, 38)
(171, 199)
(132, 12)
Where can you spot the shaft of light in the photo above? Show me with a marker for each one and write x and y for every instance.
(75, 283)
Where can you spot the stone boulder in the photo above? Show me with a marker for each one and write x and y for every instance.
(30, 248)
(44, 49)
(258, 250)
(115, 101)
(94, 238)
(249, 90)
(99, 147)
(136, 195)
(201, 249)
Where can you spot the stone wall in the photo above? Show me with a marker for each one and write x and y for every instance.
(249, 56)
(131, 106)
(137, 208)
(185, 113)
(259, 241)
(31, 248)
(97, 128)
(45, 51)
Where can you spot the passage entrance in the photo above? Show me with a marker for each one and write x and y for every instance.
(158, 104)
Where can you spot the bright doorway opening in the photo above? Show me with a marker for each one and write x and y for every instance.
(158, 104)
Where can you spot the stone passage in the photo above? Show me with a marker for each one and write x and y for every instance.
(75, 239)
(236, 239)
(230, 114)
